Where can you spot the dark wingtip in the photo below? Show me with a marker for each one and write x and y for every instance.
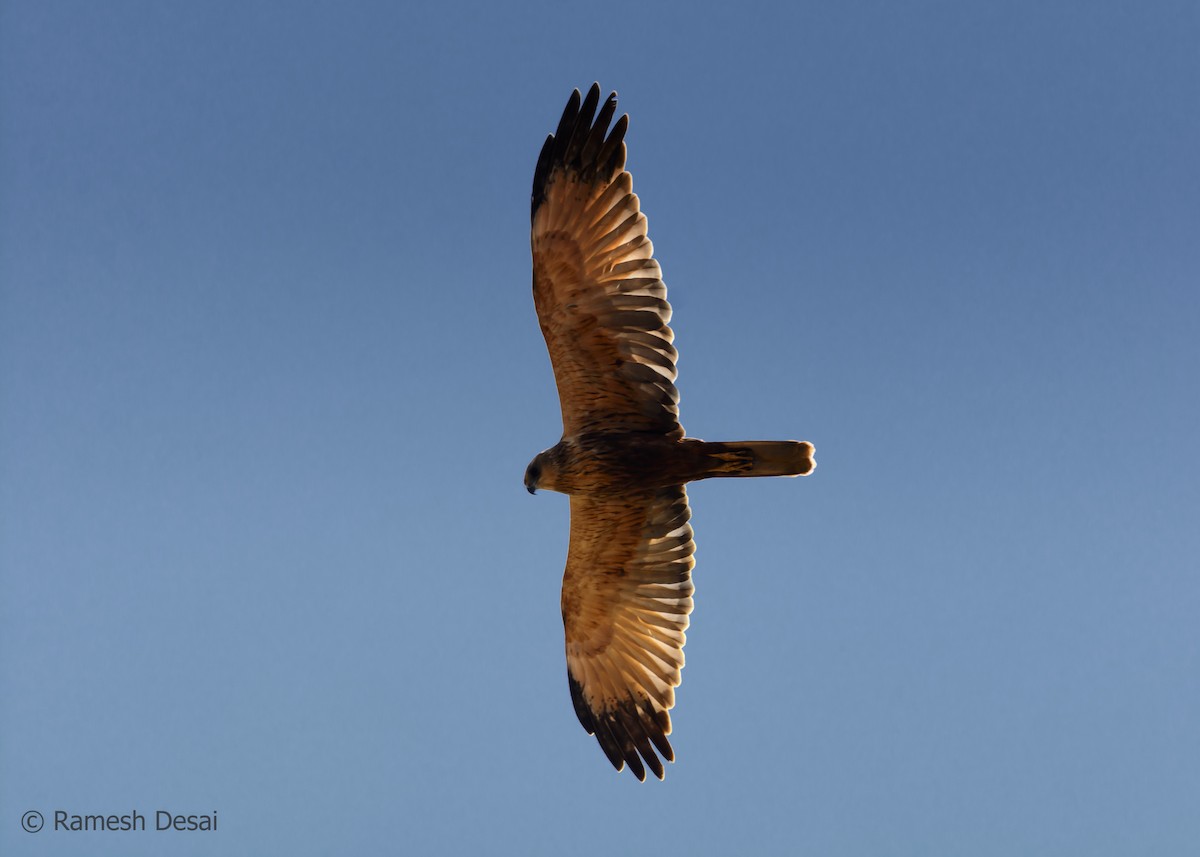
(626, 734)
(582, 143)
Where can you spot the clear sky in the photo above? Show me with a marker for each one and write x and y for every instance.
(270, 376)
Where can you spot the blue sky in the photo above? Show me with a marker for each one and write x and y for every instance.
(270, 376)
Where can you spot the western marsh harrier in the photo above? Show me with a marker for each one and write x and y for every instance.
(623, 457)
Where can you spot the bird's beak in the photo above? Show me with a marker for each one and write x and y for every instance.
(530, 489)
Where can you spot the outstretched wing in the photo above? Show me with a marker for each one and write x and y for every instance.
(626, 596)
(599, 292)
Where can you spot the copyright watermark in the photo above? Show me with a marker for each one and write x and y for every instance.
(159, 820)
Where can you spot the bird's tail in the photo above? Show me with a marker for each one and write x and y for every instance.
(760, 458)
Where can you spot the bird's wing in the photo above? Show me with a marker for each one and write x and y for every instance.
(627, 593)
(599, 292)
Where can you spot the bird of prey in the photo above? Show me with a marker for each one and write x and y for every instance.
(623, 457)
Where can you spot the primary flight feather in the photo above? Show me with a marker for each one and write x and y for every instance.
(623, 457)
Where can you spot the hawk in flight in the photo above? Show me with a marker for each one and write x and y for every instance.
(623, 457)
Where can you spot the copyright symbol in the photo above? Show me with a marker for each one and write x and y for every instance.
(32, 821)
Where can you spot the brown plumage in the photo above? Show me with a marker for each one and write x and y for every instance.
(623, 457)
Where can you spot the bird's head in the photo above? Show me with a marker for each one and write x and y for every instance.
(533, 473)
(541, 472)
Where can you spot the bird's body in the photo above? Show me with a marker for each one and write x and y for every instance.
(623, 458)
